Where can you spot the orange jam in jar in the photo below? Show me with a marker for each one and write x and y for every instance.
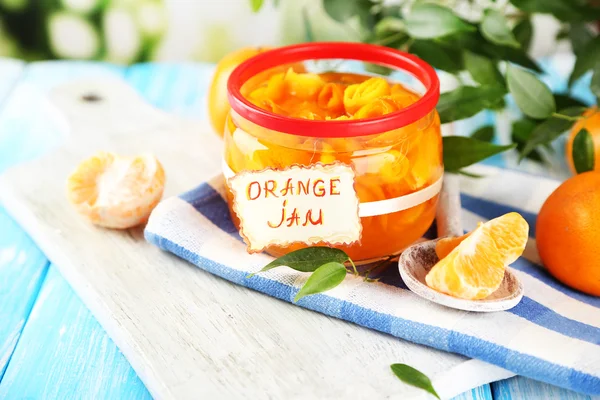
(299, 105)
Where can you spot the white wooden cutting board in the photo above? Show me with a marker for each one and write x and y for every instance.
(188, 334)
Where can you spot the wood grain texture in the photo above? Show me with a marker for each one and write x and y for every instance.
(524, 388)
(483, 392)
(40, 367)
(176, 88)
(189, 334)
(22, 270)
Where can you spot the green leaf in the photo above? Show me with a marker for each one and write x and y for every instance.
(469, 174)
(514, 55)
(428, 21)
(579, 35)
(326, 277)
(521, 132)
(586, 59)
(523, 32)
(390, 10)
(531, 95)
(564, 10)
(256, 5)
(494, 28)
(466, 101)
(483, 70)
(389, 24)
(308, 259)
(485, 134)
(460, 151)
(438, 55)
(341, 10)
(583, 152)
(595, 84)
(566, 101)
(563, 33)
(413, 377)
(549, 130)
(476, 43)
(308, 31)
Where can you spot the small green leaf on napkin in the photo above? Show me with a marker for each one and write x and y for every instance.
(460, 152)
(326, 277)
(308, 259)
(532, 96)
(413, 377)
(583, 152)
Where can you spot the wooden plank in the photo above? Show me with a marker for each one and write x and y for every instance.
(177, 88)
(483, 392)
(65, 354)
(22, 265)
(89, 348)
(25, 138)
(179, 326)
(524, 388)
(22, 270)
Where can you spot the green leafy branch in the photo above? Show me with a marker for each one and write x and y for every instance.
(478, 49)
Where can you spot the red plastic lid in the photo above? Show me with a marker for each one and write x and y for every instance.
(334, 50)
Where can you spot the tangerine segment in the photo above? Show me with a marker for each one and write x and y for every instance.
(444, 246)
(116, 192)
(475, 268)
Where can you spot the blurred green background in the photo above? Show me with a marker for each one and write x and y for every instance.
(128, 31)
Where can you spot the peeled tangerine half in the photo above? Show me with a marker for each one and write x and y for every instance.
(474, 269)
(116, 192)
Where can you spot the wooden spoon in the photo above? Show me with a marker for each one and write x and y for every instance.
(416, 261)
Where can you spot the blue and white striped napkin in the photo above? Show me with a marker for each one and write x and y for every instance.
(552, 335)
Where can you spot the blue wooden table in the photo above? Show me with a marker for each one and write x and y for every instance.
(51, 347)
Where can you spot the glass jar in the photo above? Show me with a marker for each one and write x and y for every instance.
(397, 157)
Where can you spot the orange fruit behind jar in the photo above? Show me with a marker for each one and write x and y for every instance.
(568, 233)
(218, 105)
(591, 122)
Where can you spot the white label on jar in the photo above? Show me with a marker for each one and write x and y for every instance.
(310, 205)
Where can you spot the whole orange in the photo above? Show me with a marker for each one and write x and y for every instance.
(218, 105)
(591, 122)
(568, 233)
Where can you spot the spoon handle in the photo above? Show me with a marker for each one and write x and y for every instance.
(448, 217)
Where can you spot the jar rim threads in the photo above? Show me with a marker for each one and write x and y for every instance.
(327, 50)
